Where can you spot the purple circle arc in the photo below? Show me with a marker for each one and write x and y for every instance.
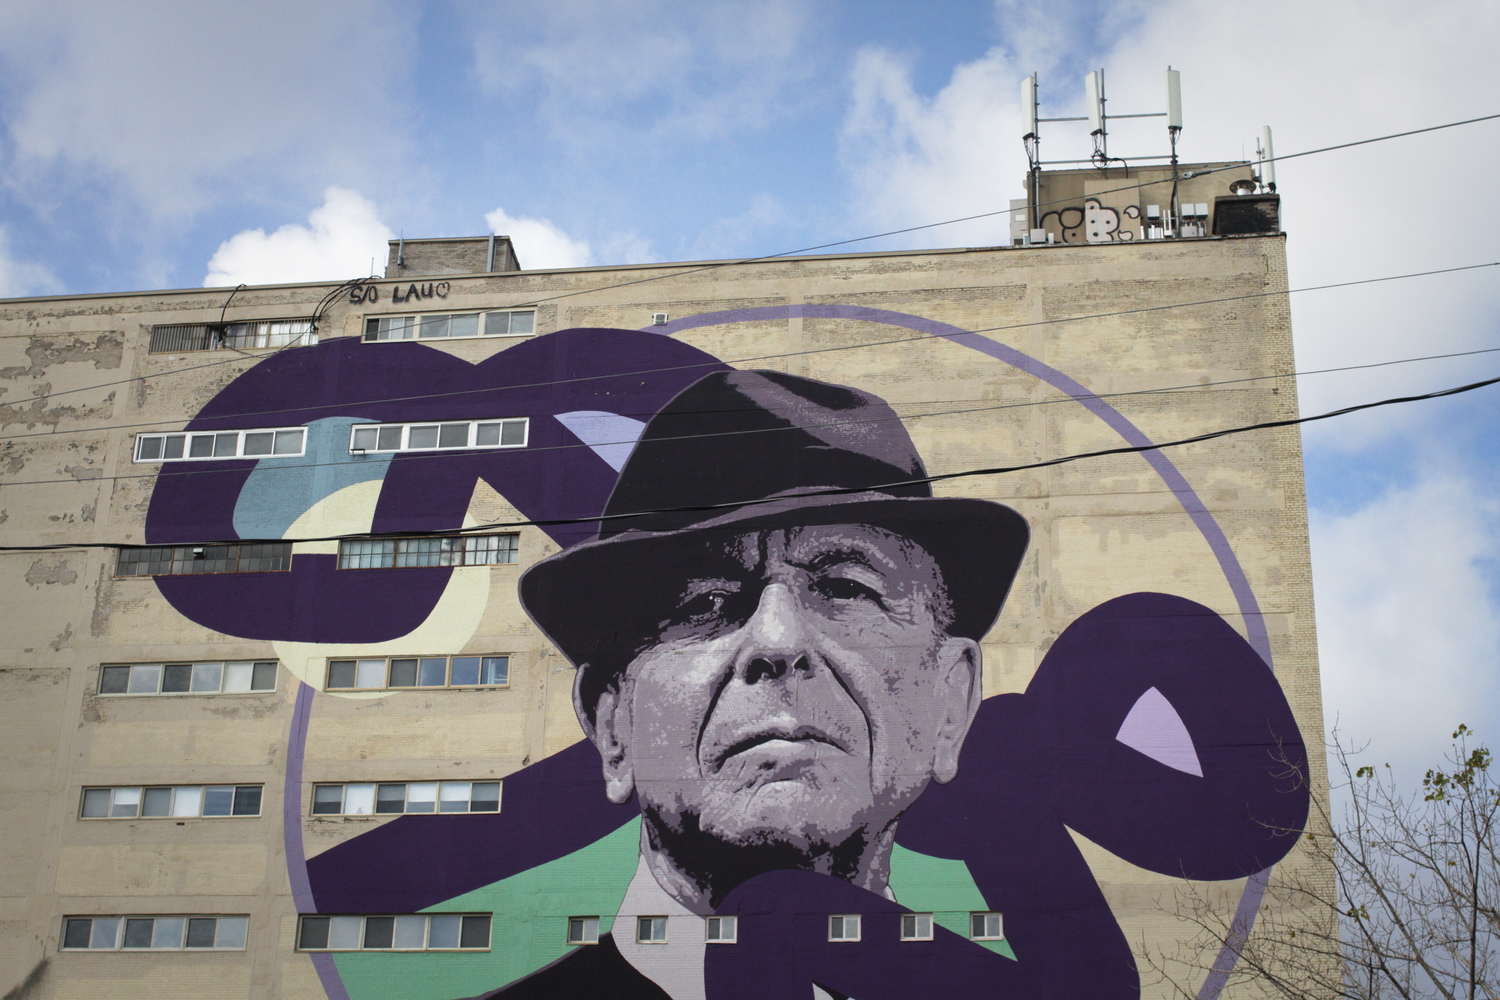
(1192, 504)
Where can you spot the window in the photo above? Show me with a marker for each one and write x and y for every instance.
(986, 927)
(843, 927)
(187, 560)
(371, 798)
(153, 932)
(419, 671)
(176, 337)
(916, 927)
(447, 550)
(187, 678)
(450, 435)
(722, 930)
(429, 326)
(405, 932)
(170, 801)
(651, 930)
(207, 446)
(583, 930)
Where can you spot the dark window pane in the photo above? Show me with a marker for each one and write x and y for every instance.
(485, 797)
(76, 933)
(95, 803)
(259, 443)
(379, 931)
(425, 436)
(341, 674)
(487, 435)
(289, 442)
(177, 677)
(158, 802)
(264, 678)
(403, 673)
(201, 932)
(147, 447)
(314, 933)
(476, 932)
(328, 800)
(513, 433)
(218, 800)
(496, 670)
(465, 670)
(138, 932)
(372, 329)
(174, 446)
(390, 799)
(201, 446)
(453, 436)
(390, 438)
(114, 680)
(976, 925)
(434, 672)
(247, 800)
(226, 445)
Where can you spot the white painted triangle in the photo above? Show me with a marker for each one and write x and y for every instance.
(1155, 729)
(610, 436)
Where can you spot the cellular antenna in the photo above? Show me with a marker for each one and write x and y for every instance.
(1174, 100)
(1267, 159)
(1093, 88)
(1032, 140)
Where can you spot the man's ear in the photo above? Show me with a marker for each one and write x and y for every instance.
(609, 730)
(960, 690)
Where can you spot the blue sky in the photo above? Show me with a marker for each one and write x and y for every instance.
(162, 144)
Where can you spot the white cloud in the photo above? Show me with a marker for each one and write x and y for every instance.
(538, 243)
(20, 277)
(1407, 637)
(341, 237)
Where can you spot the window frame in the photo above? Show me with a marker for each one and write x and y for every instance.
(471, 436)
(917, 932)
(724, 920)
(187, 555)
(421, 662)
(463, 917)
(122, 925)
(232, 336)
(193, 665)
(141, 797)
(844, 927)
(372, 330)
(586, 923)
(646, 926)
(375, 788)
(985, 915)
(185, 443)
(363, 550)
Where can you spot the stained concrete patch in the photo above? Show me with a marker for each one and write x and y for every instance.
(50, 569)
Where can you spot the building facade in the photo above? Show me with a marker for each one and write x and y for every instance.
(331, 687)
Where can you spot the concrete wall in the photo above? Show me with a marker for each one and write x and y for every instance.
(77, 383)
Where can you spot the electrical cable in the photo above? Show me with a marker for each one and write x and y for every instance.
(754, 502)
(747, 360)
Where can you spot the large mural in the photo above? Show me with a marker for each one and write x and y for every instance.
(776, 642)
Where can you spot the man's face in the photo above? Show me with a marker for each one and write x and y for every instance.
(801, 692)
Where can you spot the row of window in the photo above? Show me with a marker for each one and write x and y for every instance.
(451, 435)
(207, 446)
(154, 932)
(379, 673)
(515, 323)
(405, 553)
(406, 932)
(841, 927)
(173, 337)
(170, 801)
(276, 557)
(371, 798)
(188, 678)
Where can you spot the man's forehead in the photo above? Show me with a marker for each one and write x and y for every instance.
(820, 545)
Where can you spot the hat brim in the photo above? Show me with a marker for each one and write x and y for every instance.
(581, 597)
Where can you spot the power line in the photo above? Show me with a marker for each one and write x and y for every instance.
(755, 502)
(741, 361)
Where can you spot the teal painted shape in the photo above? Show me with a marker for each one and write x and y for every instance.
(529, 930)
(280, 490)
(942, 887)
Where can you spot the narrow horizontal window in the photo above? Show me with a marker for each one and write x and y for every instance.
(916, 927)
(722, 930)
(381, 672)
(232, 677)
(651, 930)
(439, 435)
(394, 797)
(446, 550)
(169, 801)
(843, 927)
(986, 927)
(191, 560)
(395, 932)
(173, 338)
(451, 326)
(273, 442)
(155, 932)
(583, 930)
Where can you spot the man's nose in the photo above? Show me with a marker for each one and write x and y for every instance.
(774, 640)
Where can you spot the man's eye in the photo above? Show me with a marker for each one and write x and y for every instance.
(841, 588)
(705, 605)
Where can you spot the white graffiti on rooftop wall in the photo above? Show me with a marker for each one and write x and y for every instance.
(1095, 222)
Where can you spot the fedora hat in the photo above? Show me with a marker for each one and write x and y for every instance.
(756, 450)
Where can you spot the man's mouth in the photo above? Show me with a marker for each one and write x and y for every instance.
(777, 738)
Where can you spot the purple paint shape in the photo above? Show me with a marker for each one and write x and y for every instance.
(1154, 728)
(291, 803)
